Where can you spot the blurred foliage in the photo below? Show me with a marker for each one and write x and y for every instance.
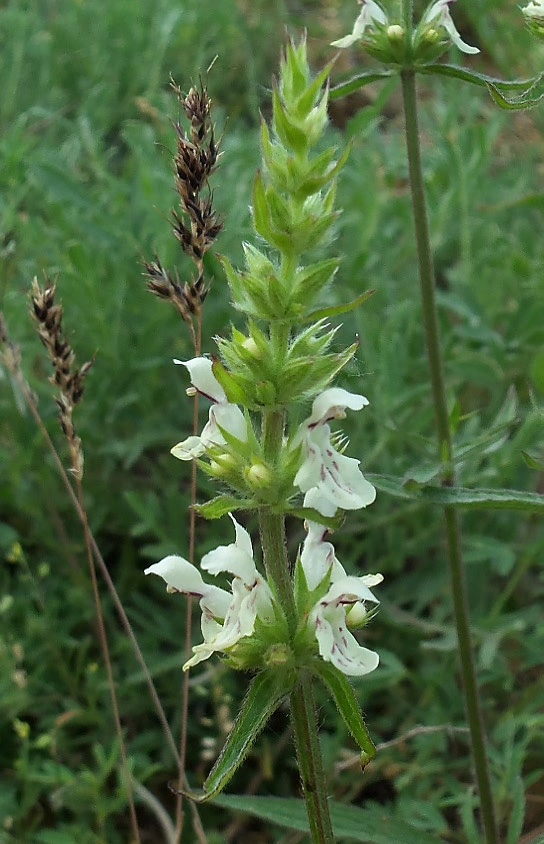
(85, 192)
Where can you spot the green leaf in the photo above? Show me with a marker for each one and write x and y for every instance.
(517, 813)
(372, 824)
(266, 692)
(235, 393)
(468, 499)
(530, 98)
(347, 705)
(223, 504)
(524, 93)
(325, 313)
(533, 462)
(286, 129)
(516, 86)
(343, 89)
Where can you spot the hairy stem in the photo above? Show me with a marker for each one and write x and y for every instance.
(451, 517)
(310, 761)
(272, 529)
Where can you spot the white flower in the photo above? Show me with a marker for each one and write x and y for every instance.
(533, 13)
(439, 15)
(318, 557)
(534, 8)
(222, 414)
(370, 13)
(336, 643)
(226, 618)
(335, 476)
(344, 602)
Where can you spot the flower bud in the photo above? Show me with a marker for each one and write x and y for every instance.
(223, 465)
(395, 33)
(259, 476)
(251, 346)
(278, 655)
(357, 616)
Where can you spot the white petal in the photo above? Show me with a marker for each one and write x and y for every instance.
(332, 403)
(236, 558)
(440, 14)
(369, 13)
(309, 474)
(350, 589)
(535, 8)
(203, 379)
(315, 498)
(179, 574)
(346, 485)
(189, 449)
(339, 646)
(231, 419)
(336, 476)
(239, 622)
(182, 576)
(317, 558)
(449, 26)
(243, 539)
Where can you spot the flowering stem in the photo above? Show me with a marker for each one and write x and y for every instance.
(310, 761)
(272, 530)
(452, 522)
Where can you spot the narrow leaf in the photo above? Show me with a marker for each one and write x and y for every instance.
(529, 99)
(266, 692)
(468, 499)
(343, 89)
(533, 462)
(223, 504)
(325, 313)
(371, 824)
(348, 707)
(514, 86)
(511, 94)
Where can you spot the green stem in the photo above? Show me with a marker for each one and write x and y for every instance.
(408, 17)
(310, 761)
(272, 530)
(453, 528)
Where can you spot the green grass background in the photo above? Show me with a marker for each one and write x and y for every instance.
(86, 188)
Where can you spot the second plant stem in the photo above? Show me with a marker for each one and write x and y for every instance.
(451, 517)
